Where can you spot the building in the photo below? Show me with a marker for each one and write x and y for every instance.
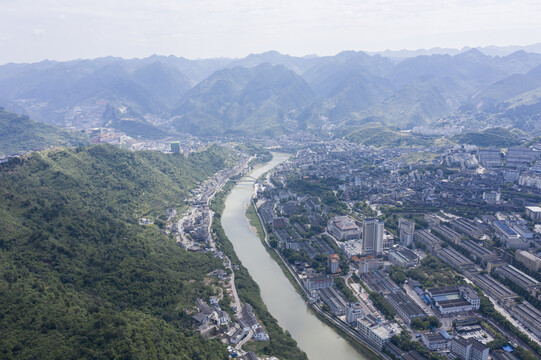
(405, 307)
(375, 332)
(332, 263)
(260, 335)
(489, 158)
(403, 257)
(469, 349)
(509, 236)
(518, 157)
(492, 197)
(458, 261)
(494, 288)
(369, 264)
(533, 212)
(318, 282)
(425, 237)
(353, 312)
(447, 233)
(467, 228)
(380, 281)
(518, 277)
(406, 228)
(435, 341)
(477, 251)
(451, 299)
(373, 236)
(529, 316)
(344, 228)
(334, 301)
(531, 261)
(175, 147)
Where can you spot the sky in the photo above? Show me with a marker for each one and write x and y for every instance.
(34, 30)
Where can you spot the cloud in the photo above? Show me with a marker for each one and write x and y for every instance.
(38, 32)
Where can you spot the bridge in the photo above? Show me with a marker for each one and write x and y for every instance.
(246, 179)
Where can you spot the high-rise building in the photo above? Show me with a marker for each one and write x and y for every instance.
(373, 236)
(175, 147)
(332, 263)
(405, 229)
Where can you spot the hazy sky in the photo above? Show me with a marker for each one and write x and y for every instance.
(33, 30)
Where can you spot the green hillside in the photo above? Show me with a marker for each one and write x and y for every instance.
(79, 277)
(497, 137)
(19, 134)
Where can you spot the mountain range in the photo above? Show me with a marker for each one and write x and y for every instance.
(270, 94)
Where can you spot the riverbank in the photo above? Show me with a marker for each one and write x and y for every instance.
(281, 343)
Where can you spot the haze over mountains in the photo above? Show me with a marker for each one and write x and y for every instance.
(270, 94)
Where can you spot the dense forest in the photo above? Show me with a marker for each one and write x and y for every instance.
(80, 278)
(20, 134)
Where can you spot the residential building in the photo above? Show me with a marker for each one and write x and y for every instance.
(375, 332)
(317, 282)
(353, 312)
(435, 341)
(406, 228)
(344, 228)
(492, 197)
(520, 157)
(533, 212)
(332, 263)
(469, 349)
(369, 263)
(531, 261)
(260, 335)
(489, 158)
(373, 236)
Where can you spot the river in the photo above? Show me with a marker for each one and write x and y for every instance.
(316, 339)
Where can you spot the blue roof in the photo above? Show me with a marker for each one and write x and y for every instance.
(507, 348)
(445, 334)
(505, 228)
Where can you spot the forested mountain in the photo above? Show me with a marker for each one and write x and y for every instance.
(20, 134)
(81, 279)
(271, 93)
(242, 101)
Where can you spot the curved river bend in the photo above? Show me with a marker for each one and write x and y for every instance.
(319, 341)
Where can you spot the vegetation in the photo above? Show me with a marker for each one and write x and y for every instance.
(20, 134)
(80, 277)
(380, 136)
(497, 137)
(382, 305)
(429, 322)
(428, 277)
(404, 342)
(341, 285)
